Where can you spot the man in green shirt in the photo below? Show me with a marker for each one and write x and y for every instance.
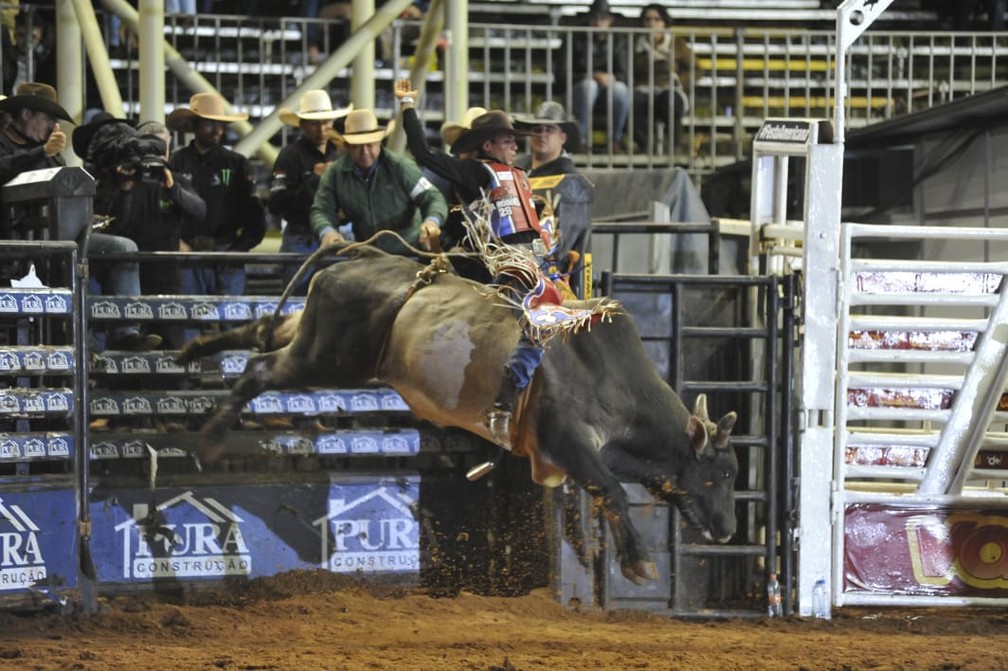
(375, 189)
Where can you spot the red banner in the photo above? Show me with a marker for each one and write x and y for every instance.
(925, 550)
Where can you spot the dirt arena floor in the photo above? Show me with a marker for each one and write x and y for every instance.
(316, 620)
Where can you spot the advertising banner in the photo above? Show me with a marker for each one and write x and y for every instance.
(361, 524)
(925, 550)
(38, 542)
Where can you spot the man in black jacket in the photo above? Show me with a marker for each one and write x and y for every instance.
(235, 218)
(296, 174)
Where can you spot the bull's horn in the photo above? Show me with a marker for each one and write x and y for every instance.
(700, 407)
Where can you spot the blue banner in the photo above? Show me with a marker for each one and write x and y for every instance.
(360, 524)
(38, 542)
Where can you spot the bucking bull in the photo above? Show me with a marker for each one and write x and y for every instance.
(596, 412)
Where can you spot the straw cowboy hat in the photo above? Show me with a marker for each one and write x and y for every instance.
(450, 130)
(361, 127)
(37, 97)
(485, 127)
(82, 135)
(202, 106)
(551, 113)
(314, 105)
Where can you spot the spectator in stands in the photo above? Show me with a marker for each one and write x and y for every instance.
(376, 189)
(297, 171)
(34, 43)
(552, 135)
(235, 218)
(146, 201)
(600, 73)
(661, 62)
(33, 141)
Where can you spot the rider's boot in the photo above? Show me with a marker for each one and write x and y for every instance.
(498, 417)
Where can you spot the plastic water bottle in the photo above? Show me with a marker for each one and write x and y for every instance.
(773, 594)
(820, 600)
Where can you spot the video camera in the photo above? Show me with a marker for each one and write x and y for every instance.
(120, 146)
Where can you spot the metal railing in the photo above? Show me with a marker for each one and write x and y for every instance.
(736, 77)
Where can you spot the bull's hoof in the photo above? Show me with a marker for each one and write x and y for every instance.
(640, 571)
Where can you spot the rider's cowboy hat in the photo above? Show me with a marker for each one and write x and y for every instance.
(83, 134)
(361, 127)
(314, 105)
(37, 97)
(486, 127)
(450, 130)
(202, 106)
(551, 113)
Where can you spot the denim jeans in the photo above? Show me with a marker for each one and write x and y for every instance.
(306, 244)
(209, 280)
(587, 93)
(116, 279)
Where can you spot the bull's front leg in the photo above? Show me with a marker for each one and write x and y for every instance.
(581, 460)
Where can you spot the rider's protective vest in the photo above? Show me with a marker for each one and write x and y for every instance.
(514, 211)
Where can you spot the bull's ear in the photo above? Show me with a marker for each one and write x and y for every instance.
(700, 407)
(696, 429)
(724, 429)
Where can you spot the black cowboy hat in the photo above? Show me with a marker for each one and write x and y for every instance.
(485, 127)
(551, 113)
(82, 135)
(37, 97)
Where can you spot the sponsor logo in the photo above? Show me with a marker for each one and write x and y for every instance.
(972, 548)
(138, 310)
(57, 305)
(172, 311)
(59, 447)
(35, 447)
(239, 311)
(137, 405)
(167, 364)
(205, 311)
(104, 406)
(792, 132)
(331, 403)
(373, 532)
(364, 402)
(8, 303)
(171, 405)
(21, 561)
(32, 303)
(301, 403)
(9, 361)
(364, 445)
(60, 361)
(136, 364)
(104, 450)
(184, 537)
(201, 404)
(10, 449)
(34, 361)
(105, 310)
(234, 364)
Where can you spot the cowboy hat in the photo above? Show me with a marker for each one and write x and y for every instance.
(37, 97)
(82, 135)
(202, 106)
(450, 130)
(361, 127)
(485, 127)
(551, 113)
(313, 106)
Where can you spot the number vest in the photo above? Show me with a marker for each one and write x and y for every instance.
(511, 195)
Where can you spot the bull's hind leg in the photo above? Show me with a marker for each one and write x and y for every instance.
(259, 376)
(249, 336)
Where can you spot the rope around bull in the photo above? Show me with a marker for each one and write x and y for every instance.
(342, 249)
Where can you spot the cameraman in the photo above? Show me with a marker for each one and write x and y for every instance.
(146, 201)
